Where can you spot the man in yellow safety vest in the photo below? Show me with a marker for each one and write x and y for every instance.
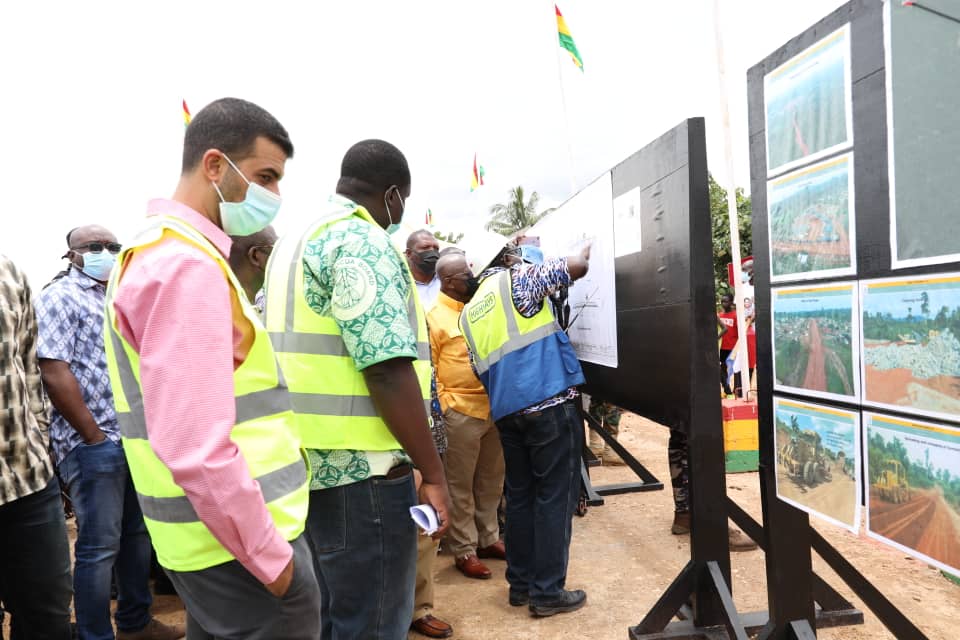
(352, 341)
(204, 413)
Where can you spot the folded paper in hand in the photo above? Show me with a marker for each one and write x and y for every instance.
(426, 518)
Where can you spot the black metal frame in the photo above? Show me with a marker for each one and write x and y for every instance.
(648, 481)
(799, 600)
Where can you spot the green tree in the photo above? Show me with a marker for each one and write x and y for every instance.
(452, 237)
(721, 232)
(924, 304)
(519, 212)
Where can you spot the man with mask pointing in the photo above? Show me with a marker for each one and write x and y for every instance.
(422, 254)
(204, 414)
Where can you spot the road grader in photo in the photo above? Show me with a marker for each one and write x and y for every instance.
(804, 459)
(892, 483)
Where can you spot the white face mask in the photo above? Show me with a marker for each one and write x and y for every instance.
(252, 214)
(393, 226)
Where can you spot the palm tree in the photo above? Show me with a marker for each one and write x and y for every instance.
(516, 214)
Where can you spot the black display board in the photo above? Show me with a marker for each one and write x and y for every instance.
(666, 331)
(789, 538)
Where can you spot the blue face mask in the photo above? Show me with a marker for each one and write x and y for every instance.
(254, 213)
(98, 265)
(394, 226)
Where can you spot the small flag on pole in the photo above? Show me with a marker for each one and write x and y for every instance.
(186, 114)
(428, 219)
(566, 40)
(477, 180)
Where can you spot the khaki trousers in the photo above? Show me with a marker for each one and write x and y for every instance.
(427, 549)
(475, 478)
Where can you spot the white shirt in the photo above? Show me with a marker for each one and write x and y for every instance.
(428, 292)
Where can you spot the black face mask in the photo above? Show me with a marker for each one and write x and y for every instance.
(427, 261)
(472, 285)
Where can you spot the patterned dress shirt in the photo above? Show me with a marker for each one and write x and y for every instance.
(70, 319)
(353, 274)
(531, 285)
(25, 466)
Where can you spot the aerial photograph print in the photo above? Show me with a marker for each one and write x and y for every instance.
(816, 341)
(810, 217)
(808, 104)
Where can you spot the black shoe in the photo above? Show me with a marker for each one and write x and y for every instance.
(567, 602)
(519, 598)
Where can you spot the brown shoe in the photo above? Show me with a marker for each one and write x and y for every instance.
(739, 541)
(681, 524)
(471, 567)
(497, 551)
(432, 627)
(155, 630)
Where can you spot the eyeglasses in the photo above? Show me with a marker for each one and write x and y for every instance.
(97, 247)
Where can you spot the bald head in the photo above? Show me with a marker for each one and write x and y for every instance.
(86, 234)
(451, 264)
(248, 259)
(456, 279)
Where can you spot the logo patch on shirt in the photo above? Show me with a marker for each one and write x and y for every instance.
(354, 289)
(483, 308)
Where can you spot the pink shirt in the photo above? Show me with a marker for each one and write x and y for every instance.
(175, 307)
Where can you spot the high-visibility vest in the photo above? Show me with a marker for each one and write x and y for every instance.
(520, 361)
(330, 397)
(263, 432)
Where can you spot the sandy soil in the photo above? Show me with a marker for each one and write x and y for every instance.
(925, 523)
(898, 386)
(624, 556)
(836, 498)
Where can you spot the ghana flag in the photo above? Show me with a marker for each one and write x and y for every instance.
(566, 40)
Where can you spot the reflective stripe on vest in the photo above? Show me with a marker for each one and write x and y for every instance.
(329, 396)
(515, 339)
(263, 430)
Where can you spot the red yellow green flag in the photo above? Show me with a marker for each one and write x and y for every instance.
(428, 219)
(477, 180)
(566, 40)
(186, 114)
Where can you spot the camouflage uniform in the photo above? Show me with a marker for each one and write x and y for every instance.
(678, 455)
(607, 415)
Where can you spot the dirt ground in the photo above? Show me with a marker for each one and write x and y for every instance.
(836, 498)
(624, 556)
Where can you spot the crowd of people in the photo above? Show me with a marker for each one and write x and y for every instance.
(262, 413)
(257, 415)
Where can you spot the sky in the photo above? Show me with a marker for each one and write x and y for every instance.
(836, 433)
(899, 301)
(93, 91)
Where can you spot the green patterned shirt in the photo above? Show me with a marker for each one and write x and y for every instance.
(352, 272)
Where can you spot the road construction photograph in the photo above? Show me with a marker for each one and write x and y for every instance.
(911, 344)
(811, 221)
(808, 104)
(914, 489)
(818, 454)
(816, 340)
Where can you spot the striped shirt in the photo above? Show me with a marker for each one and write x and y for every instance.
(25, 465)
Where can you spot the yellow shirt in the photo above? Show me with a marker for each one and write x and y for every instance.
(457, 386)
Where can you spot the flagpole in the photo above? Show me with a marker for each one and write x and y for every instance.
(563, 102)
(732, 217)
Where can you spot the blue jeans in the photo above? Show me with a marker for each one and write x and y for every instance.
(110, 531)
(542, 455)
(35, 566)
(365, 552)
